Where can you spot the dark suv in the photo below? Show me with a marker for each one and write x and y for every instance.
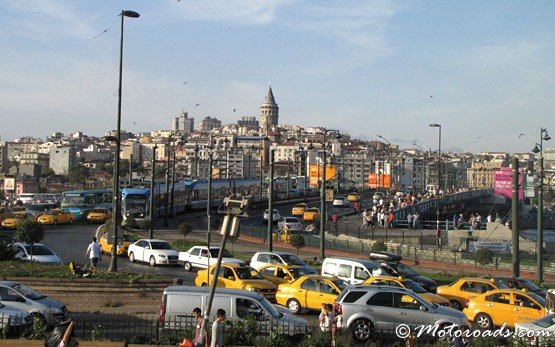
(367, 310)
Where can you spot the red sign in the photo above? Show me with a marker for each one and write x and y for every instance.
(503, 183)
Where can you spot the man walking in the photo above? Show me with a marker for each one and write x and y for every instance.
(200, 335)
(334, 218)
(217, 329)
(93, 253)
(438, 235)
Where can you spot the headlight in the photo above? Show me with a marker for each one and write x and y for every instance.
(162, 255)
(141, 215)
(251, 289)
(56, 310)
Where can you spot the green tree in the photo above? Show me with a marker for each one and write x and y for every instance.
(31, 232)
(297, 241)
(378, 246)
(483, 256)
(77, 173)
(185, 229)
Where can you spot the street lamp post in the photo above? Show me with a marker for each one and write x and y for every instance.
(166, 196)
(172, 206)
(539, 149)
(115, 193)
(435, 125)
(271, 201)
(151, 209)
(210, 146)
(389, 155)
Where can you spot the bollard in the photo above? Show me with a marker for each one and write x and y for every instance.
(421, 240)
(434, 254)
(415, 257)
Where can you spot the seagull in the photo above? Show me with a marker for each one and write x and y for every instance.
(185, 82)
(431, 96)
(134, 123)
(521, 134)
(197, 105)
(234, 109)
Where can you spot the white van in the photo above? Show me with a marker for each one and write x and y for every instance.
(178, 303)
(351, 270)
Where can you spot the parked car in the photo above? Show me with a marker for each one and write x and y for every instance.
(394, 268)
(106, 239)
(291, 223)
(311, 214)
(504, 306)
(14, 320)
(519, 283)
(38, 252)
(351, 270)
(366, 310)
(276, 217)
(533, 330)
(298, 209)
(279, 274)
(198, 257)
(56, 217)
(309, 292)
(179, 301)
(16, 219)
(409, 284)
(37, 209)
(238, 277)
(155, 252)
(341, 201)
(460, 290)
(259, 259)
(18, 295)
(99, 215)
(353, 197)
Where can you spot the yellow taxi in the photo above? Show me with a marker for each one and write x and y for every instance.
(238, 277)
(5, 213)
(298, 209)
(309, 292)
(99, 215)
(407, 283)
(56, 217)
(353, 197)
(504, 306)
(311, 214)
(15, 220)
(459, 291)
(279, 274)
(105, 243)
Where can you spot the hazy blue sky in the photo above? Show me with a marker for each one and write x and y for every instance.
(483, 69)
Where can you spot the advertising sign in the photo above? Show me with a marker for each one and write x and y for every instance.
(503, 183)
(497, 247)
(315, 174)
(379, 181)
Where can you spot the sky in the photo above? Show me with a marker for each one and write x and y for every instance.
(484, 70)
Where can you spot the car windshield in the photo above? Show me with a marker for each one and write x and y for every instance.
(214, 253)
(546, 321)
(406, 271)
(248, 273)
(160, 245)
(531, 286)
(292, 259)
(269, 307)
(99, 210)
(538, 299)
(27, 292)
(415, 287)
(340, 284)
(38, 250)
(300, 271)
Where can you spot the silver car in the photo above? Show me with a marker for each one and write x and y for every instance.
(18, 295)
(370, 309)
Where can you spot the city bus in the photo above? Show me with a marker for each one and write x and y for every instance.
(81, 202)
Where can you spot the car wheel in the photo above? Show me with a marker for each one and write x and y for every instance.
(37, 316)
(55, 222)
(362, 330)
(70, 221)
(152, 261)
(455, 304)
(294, 306)
(132, 257)
(204, 285)
(483, 321)
(187, 266)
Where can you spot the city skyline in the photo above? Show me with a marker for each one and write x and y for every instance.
(483, 71)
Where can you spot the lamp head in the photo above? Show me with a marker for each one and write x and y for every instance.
(546, 137)
(536, 149)
(130, 14)
(434, 125)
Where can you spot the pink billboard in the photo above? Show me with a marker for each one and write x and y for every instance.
(503, 183)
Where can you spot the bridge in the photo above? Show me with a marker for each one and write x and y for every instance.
(430, 207)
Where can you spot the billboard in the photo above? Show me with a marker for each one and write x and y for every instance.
(503, 183)
(315, 174)
(379, 180)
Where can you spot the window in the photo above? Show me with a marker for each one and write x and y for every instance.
(269, 271)
(498, 297)
(204, 253)
(522, 300)
(228, 274)
(264, 258)
(381, 299)
(327, 288)
(361, 274)
(344, 271)
(195, 251)
(309, 285)
(248, 308)
(330, 268)
(406, 301)
(274, 259)
(353, 296)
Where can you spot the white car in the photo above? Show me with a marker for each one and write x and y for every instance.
(275, 216)
(291, 223)
(260, 259)
(198, 257)
(40, 253)
(544, 326)
(152, 251)
(341, 201)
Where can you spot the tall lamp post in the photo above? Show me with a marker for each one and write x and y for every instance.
(391, 181)
(435, 125)
(209, 192)
(424, 163)
(271, 201)
(116, 203)
(538, 148)
(151, 209)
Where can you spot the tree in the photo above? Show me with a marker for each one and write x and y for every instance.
(184, 228)
(31, 232)
(77, 173)
(378, 246)
(483, 256)
(297, 241)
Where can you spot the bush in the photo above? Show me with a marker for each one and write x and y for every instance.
(378, 246)
(297, 241)
(483, 256)
(184, 229)
(145, 225)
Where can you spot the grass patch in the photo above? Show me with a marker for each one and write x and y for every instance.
(184, 245)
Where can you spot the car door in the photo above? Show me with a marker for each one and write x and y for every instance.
(308, 294)
(227, 278)
(327, 292)
(380, 307)
(202, 257)
(407, 311)
(500, 308)
(140, 250)
(10, 297)
(525, 310)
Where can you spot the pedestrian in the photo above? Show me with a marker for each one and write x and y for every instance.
(324, 319)
(200, 334)
(334, 218)
(93, 253)
(217, 329)
(438, 235)
(416, 221)
(409, 220)
(390, 220)
(365, 219)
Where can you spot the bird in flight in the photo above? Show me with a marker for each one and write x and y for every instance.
(234, 109)
(197, 105)
(185, 82)
(431, 96)
(521, 134)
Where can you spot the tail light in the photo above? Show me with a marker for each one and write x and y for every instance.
(467, 303)
(162, 311)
